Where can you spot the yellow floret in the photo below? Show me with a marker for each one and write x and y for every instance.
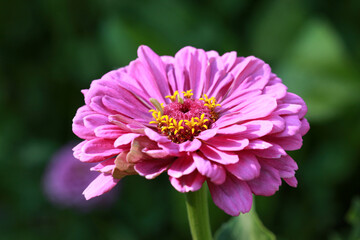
(191, 124)
(188, 93)
(157, 116)
(173, 97)
(177, 126)
(201, 121)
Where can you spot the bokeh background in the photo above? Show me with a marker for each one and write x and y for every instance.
(51, 49)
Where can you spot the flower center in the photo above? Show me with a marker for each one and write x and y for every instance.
(184, 118)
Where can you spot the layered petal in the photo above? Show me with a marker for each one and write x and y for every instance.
(188, 183)
(215, 172)
(267, 183)
(102, 184)
(247, 168)
(233, 196)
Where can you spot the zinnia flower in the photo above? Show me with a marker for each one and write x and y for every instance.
(226, 120)
(65, 178)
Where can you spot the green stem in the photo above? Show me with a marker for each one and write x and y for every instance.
(198, 214)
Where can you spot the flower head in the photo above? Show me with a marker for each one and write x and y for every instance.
(66, 177)
(198, 116)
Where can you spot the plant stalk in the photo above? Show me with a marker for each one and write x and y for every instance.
(198, 214)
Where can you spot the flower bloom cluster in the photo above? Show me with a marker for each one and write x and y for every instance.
(200, 117)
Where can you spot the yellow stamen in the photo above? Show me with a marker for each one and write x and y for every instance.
(157, 116)
(191, 124)
(201, 121)
(164, 128)
(206, 99)
(188, 94)
(173, 97)
(177, 126)
(166, 120)
(210, 102)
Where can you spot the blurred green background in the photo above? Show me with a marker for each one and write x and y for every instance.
(51, 49)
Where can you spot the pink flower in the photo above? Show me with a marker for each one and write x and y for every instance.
(226, 120)
(65, 178)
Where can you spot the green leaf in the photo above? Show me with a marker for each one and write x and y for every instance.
(246, 226)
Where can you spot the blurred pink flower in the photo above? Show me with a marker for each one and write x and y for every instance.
(226, 120)
(65, 178)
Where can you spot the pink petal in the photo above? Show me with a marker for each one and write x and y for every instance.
(285, 165)
(102, 184)
(259, 107)
(277, 122)
(292, 98)
(183, 165)
(233, 129)
(125, 139)
(104, 86)
(218, 156)
(207, 134)
(92, 121)
(78, 126)
(97, 149)
(214, 72)
(155, 153)
(267, 183)
(275, 151)
(254, 67)
(291, 181)
(154, 71)
(228, 60)
(219, 88)
(256, 129)
(190, 146)
(233, 196)
(214, 171)
(96, 103)
(258, 144)
(171, 148)
(190, 69)
(151, 169)
(292, 126)
(128, 124)
(197, 71)
(227, 144)
(239, 98)
(134, 86)
(84, 91)
(78, 149)
(277, 90)
(304, 127)
(187, 183)
(144, 83)
(247, 168)
(156, 136)
(127, 108)
(106, 166)
(110, 131)
(287, 143)
(288, 108)
(170, 73)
